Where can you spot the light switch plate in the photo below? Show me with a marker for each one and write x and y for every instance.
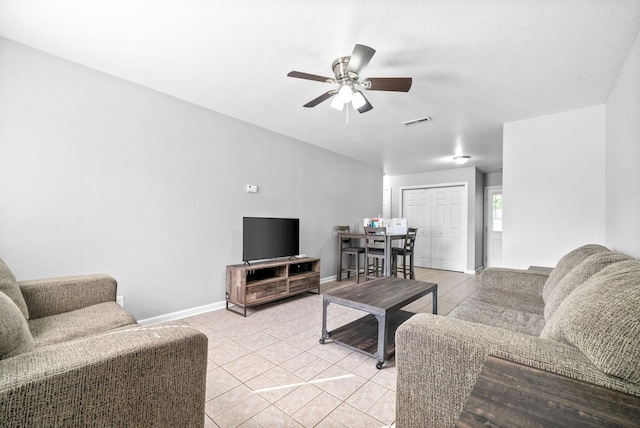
(252, 188)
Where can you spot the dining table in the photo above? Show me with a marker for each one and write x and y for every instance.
(388, 256)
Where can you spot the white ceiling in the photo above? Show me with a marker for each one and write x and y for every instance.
(474, 64)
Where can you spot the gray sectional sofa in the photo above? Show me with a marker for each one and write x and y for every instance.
(580, 320)
(70, 356)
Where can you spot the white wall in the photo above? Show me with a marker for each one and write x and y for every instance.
(98, 175)
(554, 192)
(623, 158)
(474, 180)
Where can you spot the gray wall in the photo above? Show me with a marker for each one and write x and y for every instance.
(98, 175)
(493, 179)
(475, 182)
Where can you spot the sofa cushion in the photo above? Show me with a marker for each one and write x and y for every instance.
(9, 286)
(566, 263)
(480, 312)
(79, 323)
(15, 337)
(509, 299)
(577, 276)
(601, 318)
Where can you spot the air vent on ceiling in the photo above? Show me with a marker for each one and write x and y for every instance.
(417, 121)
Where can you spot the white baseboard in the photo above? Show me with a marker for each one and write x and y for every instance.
(474, 272)
(328, 279)
(183, 314)
(200, 309)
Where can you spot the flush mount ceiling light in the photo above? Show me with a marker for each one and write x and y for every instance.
(461, 160)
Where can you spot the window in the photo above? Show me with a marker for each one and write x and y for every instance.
(496, 220)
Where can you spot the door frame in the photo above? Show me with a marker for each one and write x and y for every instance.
(465, 210)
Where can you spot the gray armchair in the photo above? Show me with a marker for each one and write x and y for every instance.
(71, 356)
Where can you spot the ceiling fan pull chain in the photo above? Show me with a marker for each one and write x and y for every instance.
(347, 109)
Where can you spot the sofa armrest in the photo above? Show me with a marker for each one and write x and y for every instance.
(139, 376)
(514, 280)
(54, 296)
(439, 358)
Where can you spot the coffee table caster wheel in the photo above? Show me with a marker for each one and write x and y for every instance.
(322, 341)
(379, 364)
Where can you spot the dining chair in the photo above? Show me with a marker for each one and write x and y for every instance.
(406, 251)
(374, 250)
(353, 253)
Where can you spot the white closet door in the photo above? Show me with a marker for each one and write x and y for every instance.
(417, 210)
(456, 229)
(440, 234)
(440, 216)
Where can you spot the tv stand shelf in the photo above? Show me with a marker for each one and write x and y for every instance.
(258, 283)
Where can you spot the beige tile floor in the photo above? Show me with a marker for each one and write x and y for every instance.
(269, 370)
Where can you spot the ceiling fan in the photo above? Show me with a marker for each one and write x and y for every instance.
(347, 71)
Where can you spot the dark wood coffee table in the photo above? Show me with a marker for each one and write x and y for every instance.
(382, 299)
(508, 394)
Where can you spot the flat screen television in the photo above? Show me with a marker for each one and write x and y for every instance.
(268, 238)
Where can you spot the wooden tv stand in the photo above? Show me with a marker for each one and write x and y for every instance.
(262, 282)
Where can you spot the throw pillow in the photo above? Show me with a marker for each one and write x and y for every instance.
(9, 286)
(15, 337)
(601, 318)
(577, 276)
(566, 263)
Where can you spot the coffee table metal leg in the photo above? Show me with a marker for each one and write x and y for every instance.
(382, 340)
(325, 335)
(434, 304)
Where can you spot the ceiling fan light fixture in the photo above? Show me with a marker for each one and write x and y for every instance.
(336, 103)
(347, 71)
(461, 160)
(358, 100)
(345, 93)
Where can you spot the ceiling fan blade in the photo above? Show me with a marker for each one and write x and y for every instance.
(301, 75)
(360, 58)
(314, 102)
(365, 106)
(399, 84)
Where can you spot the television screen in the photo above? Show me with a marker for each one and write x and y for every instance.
(268, 238)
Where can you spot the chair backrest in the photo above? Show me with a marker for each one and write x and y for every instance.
(344, 229)
(410, 240)
(375, 238)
